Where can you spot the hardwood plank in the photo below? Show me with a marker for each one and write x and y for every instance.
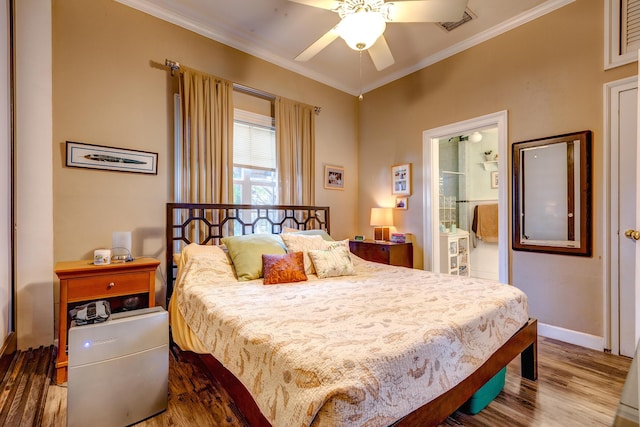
(55, 409)
(11, 395)
(24, 386)
(575, 387)
(37, 390)
(17, 414)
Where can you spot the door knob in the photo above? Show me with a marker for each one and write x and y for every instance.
(633, 234)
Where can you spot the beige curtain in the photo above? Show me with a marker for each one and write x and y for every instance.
(206, 139)
(295, 151)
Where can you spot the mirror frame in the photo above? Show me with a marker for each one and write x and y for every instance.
(584, 249)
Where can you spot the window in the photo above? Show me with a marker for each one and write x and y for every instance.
(254, 159)
(622, 32)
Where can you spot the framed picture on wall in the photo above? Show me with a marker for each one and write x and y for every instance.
(334, 177)
(401, 202)
(80, 155)
(494, 179)
(401, 179)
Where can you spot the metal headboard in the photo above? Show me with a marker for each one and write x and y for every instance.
(206, 224)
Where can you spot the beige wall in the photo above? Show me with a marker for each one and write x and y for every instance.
(109, 89)
(548, 75)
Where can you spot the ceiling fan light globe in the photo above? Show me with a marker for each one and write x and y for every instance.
(360, 30)
(475, 137)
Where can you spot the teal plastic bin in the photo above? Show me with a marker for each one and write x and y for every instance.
(485, 394)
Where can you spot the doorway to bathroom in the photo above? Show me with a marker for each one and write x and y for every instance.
(468, 203)
(466, 212)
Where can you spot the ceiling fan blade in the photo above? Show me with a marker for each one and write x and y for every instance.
(318, 45)
(381, 54)
(428, 10)
(322, 4)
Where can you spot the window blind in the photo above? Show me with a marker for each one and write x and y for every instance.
(630, 25)
(254, 144)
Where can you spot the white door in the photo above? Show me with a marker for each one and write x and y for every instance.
(628, 220)
(622, 214)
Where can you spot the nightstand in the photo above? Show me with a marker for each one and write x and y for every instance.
(82, 282)
(400, 254)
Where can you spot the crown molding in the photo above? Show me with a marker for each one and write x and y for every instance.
(488, 34)
(232, 38)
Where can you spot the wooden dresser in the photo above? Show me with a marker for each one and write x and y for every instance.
(82, 282)
(400, 254)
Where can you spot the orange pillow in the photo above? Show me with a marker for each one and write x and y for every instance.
(285, 268)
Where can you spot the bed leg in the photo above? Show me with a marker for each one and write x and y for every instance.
(529, 362)
(529, 356)
(173, 347)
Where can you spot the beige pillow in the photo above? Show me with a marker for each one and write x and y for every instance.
(303, 243)
(332, 262)
(312, 232)
(338, 243)
(216, 253)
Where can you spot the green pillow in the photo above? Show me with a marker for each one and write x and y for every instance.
(246, 252)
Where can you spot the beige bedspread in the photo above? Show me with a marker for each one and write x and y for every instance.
(361, 350)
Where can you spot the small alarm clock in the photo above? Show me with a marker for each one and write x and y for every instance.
(358, 238)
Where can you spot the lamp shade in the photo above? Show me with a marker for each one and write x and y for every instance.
(360, 30)
(381, 217)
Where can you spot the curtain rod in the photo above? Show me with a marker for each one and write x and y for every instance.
(175, 66)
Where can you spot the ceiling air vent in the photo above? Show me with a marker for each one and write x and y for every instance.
(449, 26)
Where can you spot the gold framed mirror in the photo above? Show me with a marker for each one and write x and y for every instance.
(552, 194)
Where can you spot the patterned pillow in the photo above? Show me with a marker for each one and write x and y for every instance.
(338, 243)
(303, 243)
(286, 268)
(246, 252)
(333, 262)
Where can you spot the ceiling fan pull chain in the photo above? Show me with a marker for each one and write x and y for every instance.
(360, 97)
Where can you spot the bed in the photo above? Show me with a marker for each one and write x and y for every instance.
(376, 346)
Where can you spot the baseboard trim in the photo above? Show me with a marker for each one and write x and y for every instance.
(593, 342)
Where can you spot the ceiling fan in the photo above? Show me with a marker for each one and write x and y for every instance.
(363, 22)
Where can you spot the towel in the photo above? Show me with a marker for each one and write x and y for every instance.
(485, 222)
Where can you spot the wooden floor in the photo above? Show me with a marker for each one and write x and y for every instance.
(25, 377)
(576, 387)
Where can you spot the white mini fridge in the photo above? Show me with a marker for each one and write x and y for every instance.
(118, 370)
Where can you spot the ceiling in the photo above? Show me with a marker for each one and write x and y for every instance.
(279, 30)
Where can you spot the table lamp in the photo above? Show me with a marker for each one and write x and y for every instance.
(381, 220)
